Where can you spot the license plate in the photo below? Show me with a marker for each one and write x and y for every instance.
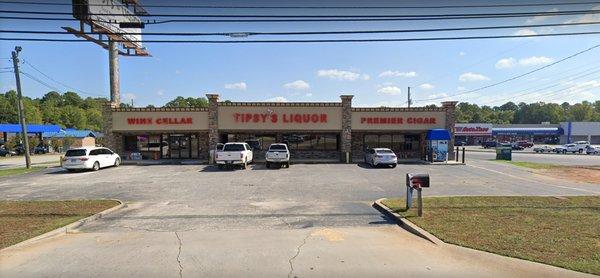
(73, 160)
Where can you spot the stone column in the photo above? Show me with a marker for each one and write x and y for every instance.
(346, 135)
(213, 121)
(111, 139)
(450, 107)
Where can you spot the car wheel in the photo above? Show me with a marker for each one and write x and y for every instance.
(268, 164)
(117, 162)
(287, 165)
(7, 155)
(72, 170)
(220, 166)
(394, 165)
(564, 151)
(373, 163)
(245, 165)
(580, 150)
(96, 166)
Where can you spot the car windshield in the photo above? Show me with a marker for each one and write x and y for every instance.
(385, 151)
(80, 152)
(277, 148)
(233, 147)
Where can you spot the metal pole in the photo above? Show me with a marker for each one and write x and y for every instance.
(113, 68)
(419, 203)
(20, 106)
(457, 152)
(409, 100)
(463, 155)
(408, 192)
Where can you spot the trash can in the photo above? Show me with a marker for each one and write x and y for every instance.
(503, 153)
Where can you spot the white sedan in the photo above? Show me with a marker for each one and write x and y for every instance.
(90, 158)
(381, 156)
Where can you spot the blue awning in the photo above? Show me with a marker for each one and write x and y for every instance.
(438, 134)
(16, 128)
(527, 131)
(69, 133)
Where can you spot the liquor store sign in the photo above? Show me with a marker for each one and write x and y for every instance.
(280, 118)
(160, 120)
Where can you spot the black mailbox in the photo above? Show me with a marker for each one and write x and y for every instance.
(418, 180)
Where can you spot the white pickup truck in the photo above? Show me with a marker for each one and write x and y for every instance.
(278, 154)
(234, 154)
(577, 147)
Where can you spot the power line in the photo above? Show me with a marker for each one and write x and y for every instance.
(40, 81)
(320, 7)
(518, 76)
(58, 82)
(315, 40)
(312, 32)
(453, 15)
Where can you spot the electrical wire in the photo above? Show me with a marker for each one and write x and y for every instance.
(229, 34)
(39, 81)
(319, 7)
(454, 15)
(58, 82)
(314, 40)
(516, 77)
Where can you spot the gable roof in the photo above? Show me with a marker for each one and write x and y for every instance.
(69, 133)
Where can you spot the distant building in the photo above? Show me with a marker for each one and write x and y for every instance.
(580, 131)
(81, 138)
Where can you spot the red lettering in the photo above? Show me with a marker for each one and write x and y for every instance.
(237, 117)
(263, 117)
(274, 118)
(247, 117)
(433, 120)
(305, 118)
(255, 118)
(323, 118)
(297, 118)
(314, 118)
(131, 121)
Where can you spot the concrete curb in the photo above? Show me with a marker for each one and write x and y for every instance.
(68, 228)
(405, 224)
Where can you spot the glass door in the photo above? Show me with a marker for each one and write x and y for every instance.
(174, 146)
(184, 146)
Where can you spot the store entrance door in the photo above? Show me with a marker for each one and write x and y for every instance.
(179, 146)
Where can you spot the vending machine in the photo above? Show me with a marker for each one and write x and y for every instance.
(437, 145)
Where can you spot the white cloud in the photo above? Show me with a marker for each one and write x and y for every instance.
(586, 18)
(506, 63)
(276, 99)
(426, 86)
(336, 74)
(236, 86)
(462, 53)
(128, 97)
(297, 85)
(525, 32)
(535, 61)
(177, 72)
(309, 94)
(160, 92)
(460, 88)
(469, 76)
(390, 90)
(540, 18)
(395, 73)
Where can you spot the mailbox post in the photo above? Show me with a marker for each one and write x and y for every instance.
(416, 181)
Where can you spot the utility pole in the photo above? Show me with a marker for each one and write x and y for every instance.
(409, 100)
(20, 106)
(113, 68)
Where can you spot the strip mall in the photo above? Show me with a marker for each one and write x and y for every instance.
(316, 131)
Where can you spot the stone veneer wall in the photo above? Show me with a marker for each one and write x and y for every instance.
(450, 107)
(346, 134)
(213, 120)
(113, 141)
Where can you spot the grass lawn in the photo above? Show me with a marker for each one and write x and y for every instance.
(532, 165)
(21, 220)
(18, 171)
(563, 232)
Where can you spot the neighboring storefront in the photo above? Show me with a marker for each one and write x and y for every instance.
(319, 131)
(580, 131)
(473, 133)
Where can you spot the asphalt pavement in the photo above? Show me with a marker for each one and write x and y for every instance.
(18, 161)
(308, 220)
(550, 158)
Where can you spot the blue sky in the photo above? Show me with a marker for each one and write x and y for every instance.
(376, 73)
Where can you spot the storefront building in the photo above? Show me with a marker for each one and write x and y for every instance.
(472, 134)
(318, 131)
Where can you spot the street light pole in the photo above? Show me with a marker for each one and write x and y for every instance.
(20, 106)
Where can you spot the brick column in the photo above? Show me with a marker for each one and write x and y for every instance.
(346, 135)
(213, 120)
(112, 140)
(450, 107)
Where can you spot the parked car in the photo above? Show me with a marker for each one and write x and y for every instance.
(7, 153)
(525, 144)
(92, 158)
(19, 149)
(543, 149)
(381, 156)
(278, 154)
(515, 146)
(41, 149)
(577, 147)
(460, 143)
(234, 154)
(489, 144)
(592, 150)
(254, 144)
(218, 147)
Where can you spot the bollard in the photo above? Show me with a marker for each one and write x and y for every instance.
(457, 154)
(408, 192)
(463, 156)
(419, 203)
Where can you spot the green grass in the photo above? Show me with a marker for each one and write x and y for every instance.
(558, 231)
(18, 171)
(532, 165)
(21, 220)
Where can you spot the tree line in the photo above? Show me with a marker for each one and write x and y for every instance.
(70, 110)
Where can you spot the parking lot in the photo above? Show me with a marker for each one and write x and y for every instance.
(568, 159)
(264, 213)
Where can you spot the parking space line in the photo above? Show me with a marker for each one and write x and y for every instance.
(517, 177)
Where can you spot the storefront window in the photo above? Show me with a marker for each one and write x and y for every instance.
(371, 141)
(385, 141)
(311, 142)
(396, 142)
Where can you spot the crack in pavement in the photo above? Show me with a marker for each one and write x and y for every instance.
(179, 256)
(296, 255)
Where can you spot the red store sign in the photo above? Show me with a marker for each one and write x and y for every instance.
(398, 120)
(160, 121)
(275, 118)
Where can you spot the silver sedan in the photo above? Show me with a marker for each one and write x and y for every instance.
(381, 156)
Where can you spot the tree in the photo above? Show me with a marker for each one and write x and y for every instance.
(73, 117)
(94, 119)
(580, 112)
(73, 99)
(187, 102)
(53, 98)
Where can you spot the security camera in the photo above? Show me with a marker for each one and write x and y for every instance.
(18, 49)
